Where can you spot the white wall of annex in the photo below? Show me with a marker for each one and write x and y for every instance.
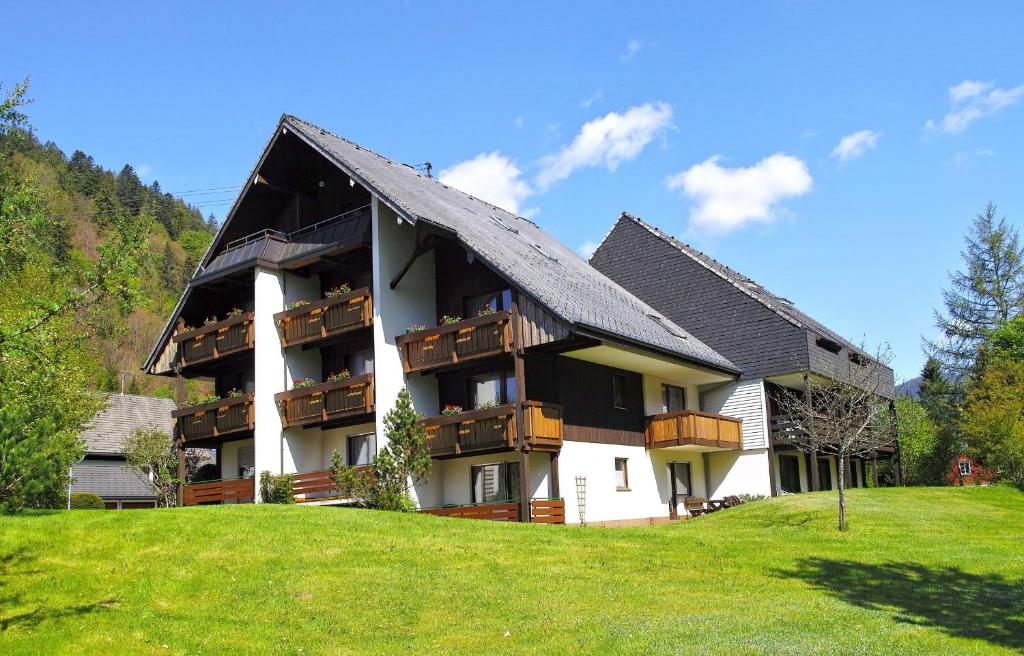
(270, 371)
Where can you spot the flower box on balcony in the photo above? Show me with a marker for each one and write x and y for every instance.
(468, 339)
(325, 318)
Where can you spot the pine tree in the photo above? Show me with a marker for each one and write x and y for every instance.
(129, 190)
(987, 294)
(941, 399)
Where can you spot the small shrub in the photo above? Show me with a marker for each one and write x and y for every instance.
(86, 501)
(207, 472)
(276, 489)
(747, 498)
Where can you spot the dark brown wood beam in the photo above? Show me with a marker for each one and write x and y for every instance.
(179, 394)
(520, 375)
(815, 477)
(772, 485)
(555, 492)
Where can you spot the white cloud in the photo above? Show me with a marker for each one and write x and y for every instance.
(972, 100)
(728, 198)
(607, 141)
(587, 248)
(587, 102)
(856, 144)
(634, 46)
(964, 158)
(519, 121)
(492, 177)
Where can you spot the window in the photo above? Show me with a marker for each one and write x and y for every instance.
(490, 390)
(619, 391)
(361, 449)
(673, 398)
(965, 467)
(361, 363)
(495, 482)
(789, 473)
(621, 474)
(498, 301)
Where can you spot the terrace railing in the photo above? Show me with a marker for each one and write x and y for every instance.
(506, 511)
(215, 340)
(325, 318)
(693, 427)
(325, 402)
(240, 490)
(463, 341)
(215, 419)
(317, 486)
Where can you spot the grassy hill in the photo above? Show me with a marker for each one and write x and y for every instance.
(922, 571)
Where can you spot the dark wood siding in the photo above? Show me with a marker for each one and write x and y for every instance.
(354, 269)
(458, 279)
(585, 391)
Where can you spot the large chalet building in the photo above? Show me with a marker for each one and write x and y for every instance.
(549, 391)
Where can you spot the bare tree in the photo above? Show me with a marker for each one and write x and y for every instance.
(846, 415)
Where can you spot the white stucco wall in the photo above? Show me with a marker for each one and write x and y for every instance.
(269, 371)
(450, 480)
(739, 472)
(648, 480)
(302, 363)
(394, 310)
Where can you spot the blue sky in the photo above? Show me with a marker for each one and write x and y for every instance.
(721, 123)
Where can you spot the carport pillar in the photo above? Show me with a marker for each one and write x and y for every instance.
(874, 468)
(555, 491)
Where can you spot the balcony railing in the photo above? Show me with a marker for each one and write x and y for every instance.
(506, 511)
(325, 318)
(317, 404)
(693, 427)
(215, 419)
(494, 429)
(215, 340)
(318, 486)
(469, 339)
(240, 490)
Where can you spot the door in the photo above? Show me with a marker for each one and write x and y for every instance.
(679, 475)
(824, 473)
(789, 473)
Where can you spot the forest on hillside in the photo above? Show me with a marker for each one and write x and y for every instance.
(82, 201)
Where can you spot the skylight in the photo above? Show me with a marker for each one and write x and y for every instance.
(543, 252)
(503, 224)
(667, 326)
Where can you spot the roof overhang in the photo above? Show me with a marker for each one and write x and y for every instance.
(644, 361)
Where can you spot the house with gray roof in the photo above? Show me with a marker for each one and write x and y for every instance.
(773, 342)
(550, 391)
(103, 471)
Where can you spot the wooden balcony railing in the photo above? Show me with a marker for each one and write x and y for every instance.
(215, 340)
(241, 490)
(325, 318)
(215, 419)
(469, 339)
(494, 429)
(547, 511)
(321, 403)
(507, 511)
(693, 427)
(317, 486)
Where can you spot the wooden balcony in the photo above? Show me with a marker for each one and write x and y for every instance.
(464, 341)
(216, 419)
(693, 427)
(317, 487)
(319, 404)
(325, 318)
(242, 490)
(494, 429)
(216, 340)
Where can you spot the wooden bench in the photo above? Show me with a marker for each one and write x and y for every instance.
(695, 506)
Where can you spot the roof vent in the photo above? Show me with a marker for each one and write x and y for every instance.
(543, 252)
(503, 224)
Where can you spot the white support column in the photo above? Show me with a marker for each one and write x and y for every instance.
(394, 310)
(269, 371)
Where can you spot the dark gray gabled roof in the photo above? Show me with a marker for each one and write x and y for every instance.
(110, 479)
(777, 304)
(107, 431)
(516, 248)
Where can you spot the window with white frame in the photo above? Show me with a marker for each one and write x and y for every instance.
(621, 474)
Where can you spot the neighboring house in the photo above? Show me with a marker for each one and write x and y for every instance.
(964, 470)
(566, 397)
(103, 471)
(764, 335)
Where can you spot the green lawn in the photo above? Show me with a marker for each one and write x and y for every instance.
(921, 571)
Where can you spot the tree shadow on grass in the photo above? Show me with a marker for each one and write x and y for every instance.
(979, 606)
(15, 564)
